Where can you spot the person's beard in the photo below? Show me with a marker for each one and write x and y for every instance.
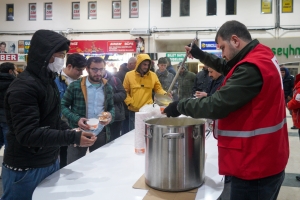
(95, 78)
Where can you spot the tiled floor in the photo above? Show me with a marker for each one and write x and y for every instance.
(290, 189)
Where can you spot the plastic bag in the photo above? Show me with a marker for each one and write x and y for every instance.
(154, 109)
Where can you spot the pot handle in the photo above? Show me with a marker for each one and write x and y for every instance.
(149, 135)
(173, 135)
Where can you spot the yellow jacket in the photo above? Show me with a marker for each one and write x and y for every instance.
(139, 88)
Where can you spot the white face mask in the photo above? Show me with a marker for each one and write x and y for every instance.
(57, 65)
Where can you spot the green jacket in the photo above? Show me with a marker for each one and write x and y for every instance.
(186, 82)
(242, 87)
(73, 103)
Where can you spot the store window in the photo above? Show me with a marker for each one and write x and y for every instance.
(184, 8)
(211, 7)
(166, 8)
(230, 7)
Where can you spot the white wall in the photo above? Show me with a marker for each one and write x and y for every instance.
(104, 27)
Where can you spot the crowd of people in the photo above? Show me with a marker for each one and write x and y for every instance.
(44, 110)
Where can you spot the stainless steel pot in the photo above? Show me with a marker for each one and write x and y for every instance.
(175, 153)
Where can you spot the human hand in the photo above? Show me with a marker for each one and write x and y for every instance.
(87, 139)
(171, 110)
(289, 98)
(107, 120)
(199, 94)
(82, 123)
(169, 94)
(193, 51)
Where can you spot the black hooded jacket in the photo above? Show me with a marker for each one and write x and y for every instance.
(32, 107)
(122, 72)
(119, 96)
(5, 80)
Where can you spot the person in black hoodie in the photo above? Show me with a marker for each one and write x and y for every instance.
(8, 72)
(124, 68)
(32, 109)
(119, 97)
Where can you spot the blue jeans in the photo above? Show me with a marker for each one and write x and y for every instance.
(3, 133)
(125, 125)
(258, 189)
(131, 120)
(19, 185)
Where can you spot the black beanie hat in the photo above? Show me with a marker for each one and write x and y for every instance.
(64, 47)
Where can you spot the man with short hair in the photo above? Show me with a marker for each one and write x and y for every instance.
(217, 79)
(164, 77)
(202, 80)
(8, 72)
(32, 111)
(250, 113)
(124, 68)
(139, 84)
(88, 98)
(76, 63)
(186, 81)
(170, 67)
(2, 47)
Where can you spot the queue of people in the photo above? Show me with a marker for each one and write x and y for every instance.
(47, 114)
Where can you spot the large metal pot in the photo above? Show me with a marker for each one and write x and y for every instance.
(175, 153)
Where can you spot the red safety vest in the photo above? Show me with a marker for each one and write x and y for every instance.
(253, 141)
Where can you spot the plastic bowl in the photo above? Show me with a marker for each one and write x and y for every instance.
(93, 123)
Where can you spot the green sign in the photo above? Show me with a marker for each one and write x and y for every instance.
(288, 51)
(176, 56)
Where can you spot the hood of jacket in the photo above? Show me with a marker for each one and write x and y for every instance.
(43, 45)
(287, 72)
(139, 59)
(124, 68)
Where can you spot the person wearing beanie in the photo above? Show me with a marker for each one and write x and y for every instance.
(139, 84)
(32, 109)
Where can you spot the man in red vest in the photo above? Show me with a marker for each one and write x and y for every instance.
(249, 109)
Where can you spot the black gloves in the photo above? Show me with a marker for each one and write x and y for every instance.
(195, 51)
(171, 110)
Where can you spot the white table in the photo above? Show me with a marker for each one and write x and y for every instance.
(110, 172)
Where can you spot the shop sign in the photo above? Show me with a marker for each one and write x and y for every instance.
(287, 51)
(102, 46)
(176, 56)
(23, 46)
(121, 46)
(8, 57)
(210, 46)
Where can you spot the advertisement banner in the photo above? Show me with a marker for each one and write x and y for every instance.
(287, 6)
(23, 46)
(8, 57)
(92, 10)
(9, 12)
(89, 47)
(134, 9)
(116, 9)
(75, 10)
(32, 11)
(48, 11)
(8, 47)
(210, 46)
(266, 6)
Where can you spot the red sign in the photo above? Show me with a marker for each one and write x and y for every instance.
(102, 46)
(8, 57)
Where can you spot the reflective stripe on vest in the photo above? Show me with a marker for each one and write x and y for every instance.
(246, 134)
